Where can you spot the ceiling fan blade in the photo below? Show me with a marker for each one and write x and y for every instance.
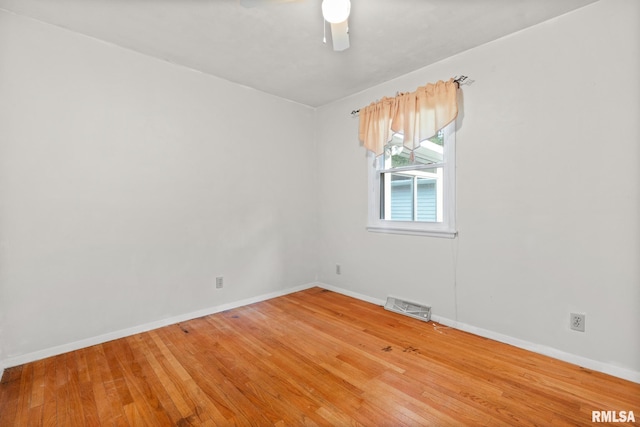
(340, 35)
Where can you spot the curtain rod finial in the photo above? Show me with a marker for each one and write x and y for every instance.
(462, 80)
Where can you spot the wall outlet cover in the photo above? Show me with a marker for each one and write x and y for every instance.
(577, 321)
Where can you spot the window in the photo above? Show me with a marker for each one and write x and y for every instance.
(414, 193)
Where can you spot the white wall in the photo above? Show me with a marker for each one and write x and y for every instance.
(127, 184)
(548, 191)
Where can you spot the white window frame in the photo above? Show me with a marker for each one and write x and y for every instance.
(446, 228)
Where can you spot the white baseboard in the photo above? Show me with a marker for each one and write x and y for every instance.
(574, 359)
(355, 295)
(88, 342)
(594, 365)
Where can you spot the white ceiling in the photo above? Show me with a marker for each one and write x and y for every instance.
(277, 48)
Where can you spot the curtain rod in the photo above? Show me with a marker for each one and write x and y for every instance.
(459, 80)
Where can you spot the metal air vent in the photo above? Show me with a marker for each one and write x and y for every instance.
(412, 309)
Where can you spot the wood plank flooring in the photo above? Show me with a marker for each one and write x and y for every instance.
(312, 358)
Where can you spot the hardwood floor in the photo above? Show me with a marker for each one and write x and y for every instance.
(310, 358)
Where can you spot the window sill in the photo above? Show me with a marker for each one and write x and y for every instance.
(413, 231)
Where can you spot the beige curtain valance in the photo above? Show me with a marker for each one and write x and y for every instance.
(417, 115)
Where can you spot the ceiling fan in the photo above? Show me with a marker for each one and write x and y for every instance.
(335, 12)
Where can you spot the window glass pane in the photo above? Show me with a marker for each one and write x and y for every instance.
(399, 197)
(430, 151)
(408, 189)
(413, 195)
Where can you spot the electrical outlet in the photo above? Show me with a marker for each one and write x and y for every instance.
(219, 282)
(338, 269)
(577, 322)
